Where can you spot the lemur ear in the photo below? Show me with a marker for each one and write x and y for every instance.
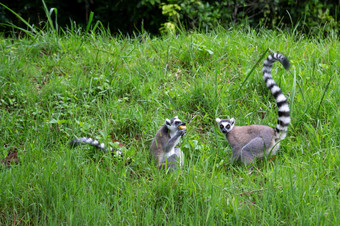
(218, 120)
(167, 122)
(232, 121)
(176, 117)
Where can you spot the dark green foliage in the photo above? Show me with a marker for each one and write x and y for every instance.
(128, 16)
(259, 13)
(120, 16)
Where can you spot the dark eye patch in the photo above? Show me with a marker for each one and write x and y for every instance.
(176, 123)
(221, 126)
(228, 126)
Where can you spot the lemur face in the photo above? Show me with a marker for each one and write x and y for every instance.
(174, 124)
(225, 125)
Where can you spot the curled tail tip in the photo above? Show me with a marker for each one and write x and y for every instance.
(283, 59)
(280, 57)
(285, 62)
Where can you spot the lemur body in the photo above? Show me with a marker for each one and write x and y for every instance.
(257, 141)
(163, 148)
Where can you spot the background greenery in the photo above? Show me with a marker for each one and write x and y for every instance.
(127, 16)
(58, 85)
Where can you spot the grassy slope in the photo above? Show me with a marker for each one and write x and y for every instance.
(124, 88)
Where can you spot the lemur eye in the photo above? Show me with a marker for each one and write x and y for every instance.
(228, 126)
(176, 123)
(221, 126)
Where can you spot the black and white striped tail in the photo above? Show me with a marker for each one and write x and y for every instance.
(281, 101)
(95, 143)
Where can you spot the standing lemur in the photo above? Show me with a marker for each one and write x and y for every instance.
(163, 147)
(257, 141)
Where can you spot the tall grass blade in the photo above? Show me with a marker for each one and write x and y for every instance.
(253, 68)
(23, 20)
(55, 10)
(301, 91)
(48, 15)
(18, 28)
(323, 96)
(89, 23)
(101, 25)
(293, 94)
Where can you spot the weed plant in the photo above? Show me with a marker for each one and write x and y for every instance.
(58, 85)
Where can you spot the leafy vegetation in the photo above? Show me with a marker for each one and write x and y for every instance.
(55, 87)
(159, 15)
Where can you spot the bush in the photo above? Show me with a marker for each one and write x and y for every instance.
(158, 15)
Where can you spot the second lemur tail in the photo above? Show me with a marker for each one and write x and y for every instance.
(281, 101)
(95, 143)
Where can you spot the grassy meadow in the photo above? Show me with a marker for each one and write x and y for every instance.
(120, 89)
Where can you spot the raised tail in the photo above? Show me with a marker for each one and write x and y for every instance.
(95, 143)
(281, 101)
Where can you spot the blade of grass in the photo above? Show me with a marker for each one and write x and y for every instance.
(301, 91)
(253, 68)
(323, 96)
(291, 105)
(19, 28)
(55, 10)
(96, 26)
(48, 15)
(89, 23)
(22, 19)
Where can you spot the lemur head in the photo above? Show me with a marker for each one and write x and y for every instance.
(174, 124)
(225, 125)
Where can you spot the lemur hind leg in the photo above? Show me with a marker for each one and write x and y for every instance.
(170, 163)
(255, 148)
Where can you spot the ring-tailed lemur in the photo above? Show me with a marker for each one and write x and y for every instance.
(257, 141)
(95, 143)
(163, 148)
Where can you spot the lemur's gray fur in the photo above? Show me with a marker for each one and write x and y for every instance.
(163, 148)
(257, 141)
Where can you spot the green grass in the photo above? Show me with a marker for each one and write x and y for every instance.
(54, 88)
